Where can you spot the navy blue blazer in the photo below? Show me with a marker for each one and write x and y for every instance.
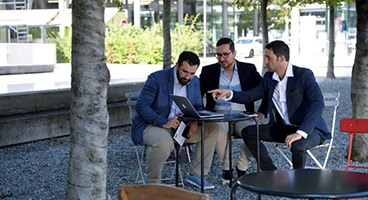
(304, 100)
(210, 78)
(154, 103)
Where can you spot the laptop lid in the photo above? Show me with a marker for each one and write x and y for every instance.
(188, 109)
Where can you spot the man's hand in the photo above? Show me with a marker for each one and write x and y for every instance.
(260, 117)
(172, 123)
(292, 138)
(193, 128)
(219, 93)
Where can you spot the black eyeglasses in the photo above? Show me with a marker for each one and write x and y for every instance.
(224, 55)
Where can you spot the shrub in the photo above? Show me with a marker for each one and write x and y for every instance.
(185, 38)
(63, 45)
(131, 45)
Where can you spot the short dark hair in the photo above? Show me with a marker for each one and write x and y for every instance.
(226, 41)
(279, 48)
(190, 57)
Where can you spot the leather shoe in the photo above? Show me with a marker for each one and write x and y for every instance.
(239, 172)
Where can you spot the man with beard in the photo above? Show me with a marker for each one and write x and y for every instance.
(229, 73)
(156, 117)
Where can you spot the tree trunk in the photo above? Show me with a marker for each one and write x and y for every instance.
(331, 44)
(264, 30)
(359, 83)
(156, 12)
(255, 21)
(166, 33)
(88, 111)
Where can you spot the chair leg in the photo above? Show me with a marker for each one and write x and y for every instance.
(315, 160)
(284, 156)
(177, 148)
(187, 149)
(351, 136)
(139, 161)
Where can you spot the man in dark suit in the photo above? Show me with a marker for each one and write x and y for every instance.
(229, 73)
(156, 117)
(294, 102)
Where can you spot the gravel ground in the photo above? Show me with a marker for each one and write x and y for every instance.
(38, 170)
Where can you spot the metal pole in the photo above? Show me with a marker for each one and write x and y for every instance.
(177, 148)
(180, 11)
(137, 13)
(258, 153)
(224, 19)
(202, 154)
(204, 28)
(230, 152)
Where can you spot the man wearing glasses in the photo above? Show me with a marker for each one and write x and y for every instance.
(229, 73)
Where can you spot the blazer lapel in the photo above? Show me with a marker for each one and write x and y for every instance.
(244, 75)
(170, 85)
(216, 76)
(289, 86)
(272, 107)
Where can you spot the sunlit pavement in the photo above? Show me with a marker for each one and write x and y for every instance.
(60, 78)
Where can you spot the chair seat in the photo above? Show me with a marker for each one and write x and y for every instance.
(158, 192)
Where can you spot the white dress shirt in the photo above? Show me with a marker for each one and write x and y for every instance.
(179, 90)
(279, 97)
(233, 83)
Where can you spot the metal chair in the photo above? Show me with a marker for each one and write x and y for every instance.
(158, 192)
(353, 126)
(331, 100)
(140, 150)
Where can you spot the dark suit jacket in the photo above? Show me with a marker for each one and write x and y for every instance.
(154, 103)
(304, 100)
(210, 78)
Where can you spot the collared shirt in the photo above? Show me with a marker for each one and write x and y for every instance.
(180, 90)
(232, 83)
(279, 97)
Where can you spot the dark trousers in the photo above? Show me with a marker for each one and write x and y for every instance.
(278, 133)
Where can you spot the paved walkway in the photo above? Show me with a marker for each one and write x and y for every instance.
(60, 78)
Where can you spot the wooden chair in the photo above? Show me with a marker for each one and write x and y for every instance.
(353, 126)
(158, 192)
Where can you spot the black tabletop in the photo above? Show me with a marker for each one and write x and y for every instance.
(307, 183)
(229, 116)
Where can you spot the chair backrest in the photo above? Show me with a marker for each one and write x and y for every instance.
(332, 100)
(354, 125)
(158, 192)
(132, 98)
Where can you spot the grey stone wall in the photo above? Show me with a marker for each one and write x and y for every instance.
(31, 116)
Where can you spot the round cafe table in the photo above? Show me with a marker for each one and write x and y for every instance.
(305, 183)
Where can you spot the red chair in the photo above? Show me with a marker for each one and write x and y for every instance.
(353, 126)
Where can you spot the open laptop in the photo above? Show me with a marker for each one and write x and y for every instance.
(188, 110)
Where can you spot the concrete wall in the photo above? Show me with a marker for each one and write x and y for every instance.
(27, 58)
(31, 116)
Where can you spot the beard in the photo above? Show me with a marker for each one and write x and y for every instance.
(181, 80)
(226, 64)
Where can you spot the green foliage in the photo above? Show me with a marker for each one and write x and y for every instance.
(121, 43)
(131, 45)
(185, 38)
(119, 4)
(35, 32)
(63, 45)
